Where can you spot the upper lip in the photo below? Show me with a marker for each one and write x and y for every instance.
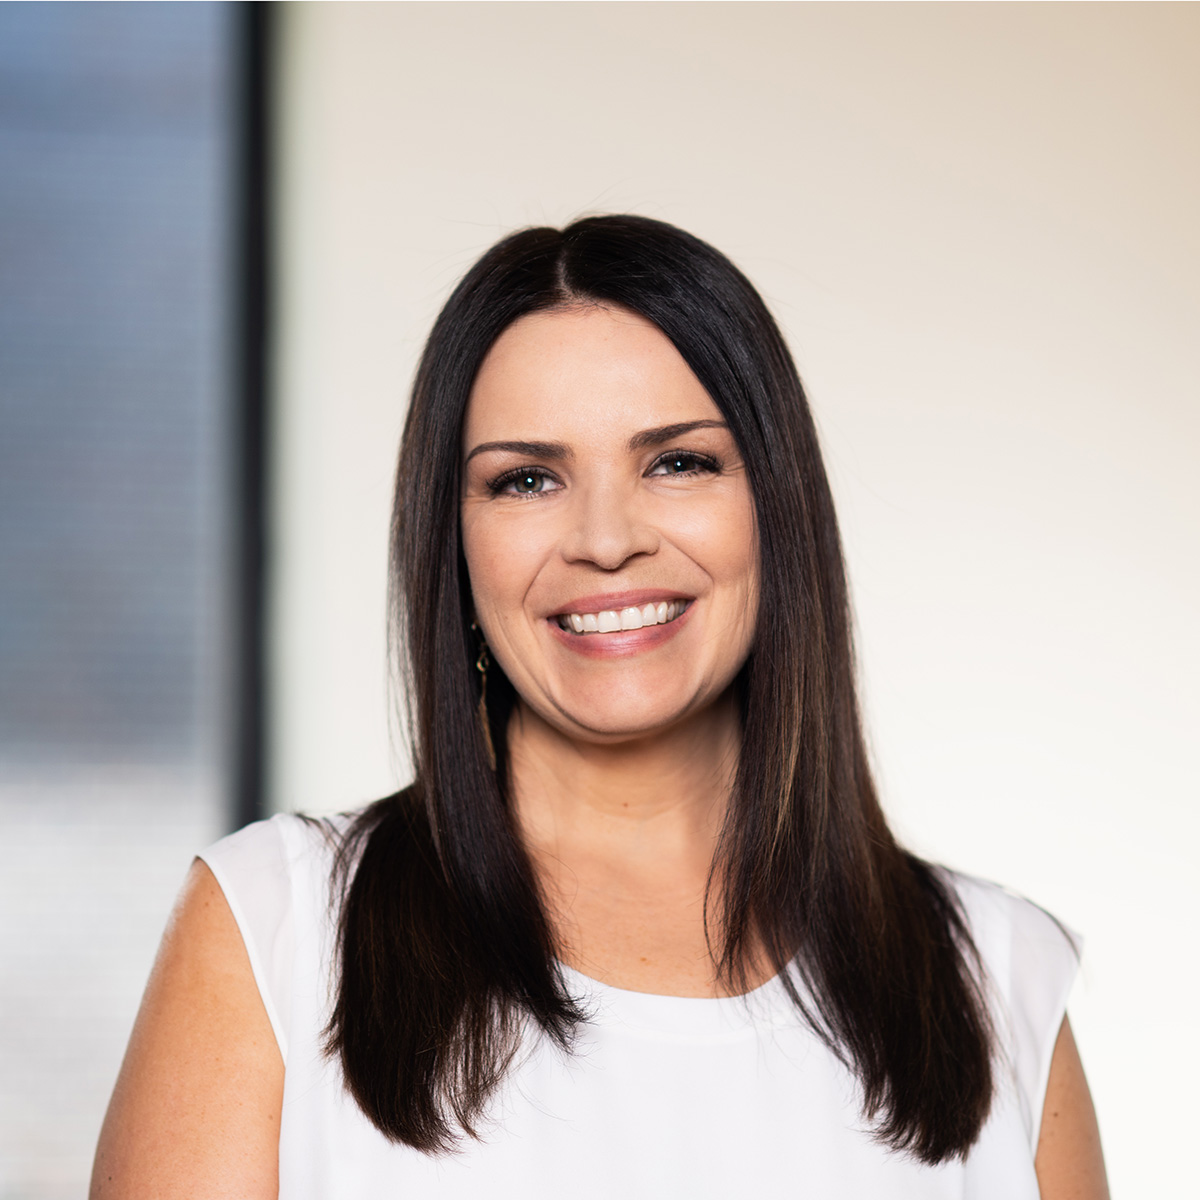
(615, 601)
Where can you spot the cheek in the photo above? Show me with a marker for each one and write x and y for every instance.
(723, 540)
(502, 561)
(483, 557)
(727, 549)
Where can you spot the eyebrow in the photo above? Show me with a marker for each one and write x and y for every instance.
(665, 433)
(639, 441)
(529, 449)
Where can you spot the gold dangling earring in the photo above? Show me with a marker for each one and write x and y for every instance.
(481, 665)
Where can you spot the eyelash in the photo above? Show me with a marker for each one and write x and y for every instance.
(497, 485)
(705, 463)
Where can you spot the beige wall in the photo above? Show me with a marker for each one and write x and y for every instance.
(977, 225)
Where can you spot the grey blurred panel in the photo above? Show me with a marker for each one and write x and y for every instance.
(115, 212)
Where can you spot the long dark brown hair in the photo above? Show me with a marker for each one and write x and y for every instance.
(447, 959)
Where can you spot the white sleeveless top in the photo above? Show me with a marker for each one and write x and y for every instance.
(664, 1096)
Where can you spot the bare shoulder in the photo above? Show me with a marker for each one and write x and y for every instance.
(196, 1106)
(1070, 1164)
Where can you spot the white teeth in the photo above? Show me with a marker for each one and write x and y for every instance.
(611, 621)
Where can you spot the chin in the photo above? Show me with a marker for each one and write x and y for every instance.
(612, 723)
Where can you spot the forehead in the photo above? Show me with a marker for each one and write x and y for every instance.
(588, 367)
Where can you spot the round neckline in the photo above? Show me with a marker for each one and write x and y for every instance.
(678, 1016)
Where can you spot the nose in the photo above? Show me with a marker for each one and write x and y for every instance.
(607, 529)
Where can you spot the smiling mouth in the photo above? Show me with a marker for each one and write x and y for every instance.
(620, 620)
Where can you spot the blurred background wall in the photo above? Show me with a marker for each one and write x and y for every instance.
(976, 225)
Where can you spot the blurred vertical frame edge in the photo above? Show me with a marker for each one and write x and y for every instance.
(254, 25)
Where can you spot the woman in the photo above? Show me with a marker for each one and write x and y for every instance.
(639, 925)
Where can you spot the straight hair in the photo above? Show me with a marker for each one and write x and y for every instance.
(446, 956)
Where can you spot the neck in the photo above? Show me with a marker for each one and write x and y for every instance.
(622, 839)
(666, 792)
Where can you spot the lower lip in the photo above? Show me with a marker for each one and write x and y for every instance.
(622, 644)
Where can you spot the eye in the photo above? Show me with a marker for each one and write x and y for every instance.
(683, 462)
(524, 481)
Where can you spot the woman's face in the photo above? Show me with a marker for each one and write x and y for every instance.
(607, 524)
